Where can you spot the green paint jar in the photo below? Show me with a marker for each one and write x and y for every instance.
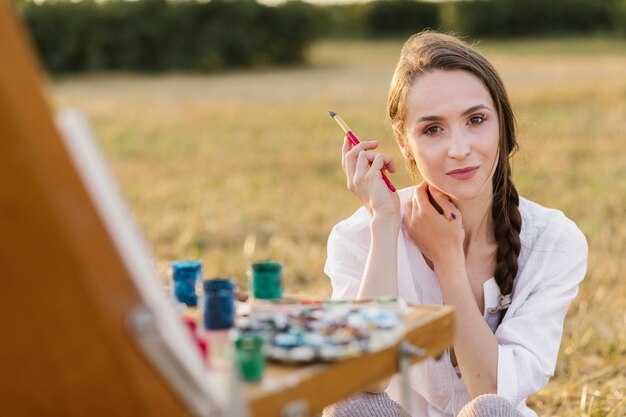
(250, 356)
(266, 280)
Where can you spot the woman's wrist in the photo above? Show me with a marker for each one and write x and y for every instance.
(385, 222)
(452, 277)
(451, 263)
(380, 275)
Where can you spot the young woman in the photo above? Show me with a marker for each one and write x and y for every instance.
(510, 267)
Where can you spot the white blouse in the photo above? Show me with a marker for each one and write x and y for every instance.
(552, 263)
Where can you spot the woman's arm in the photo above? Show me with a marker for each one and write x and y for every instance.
(363, 171)
(440, 238)
(381, 270)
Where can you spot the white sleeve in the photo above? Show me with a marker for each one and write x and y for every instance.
(348, 248)
(529, 339)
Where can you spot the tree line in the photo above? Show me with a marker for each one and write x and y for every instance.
(158, 35)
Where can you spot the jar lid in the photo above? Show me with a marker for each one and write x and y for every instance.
(249, 342)
(266, 266)
(179, 265)
(218, 283)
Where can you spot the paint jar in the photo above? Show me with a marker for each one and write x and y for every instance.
(250, 356)
(219, 303)
(186, 275)
(219, 319)
(266, 280)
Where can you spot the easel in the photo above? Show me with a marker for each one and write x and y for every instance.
(69, 297)
(84, 328)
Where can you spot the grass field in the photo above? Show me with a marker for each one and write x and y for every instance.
(246, 165)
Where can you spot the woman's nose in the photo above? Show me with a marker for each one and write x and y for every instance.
(459, 146)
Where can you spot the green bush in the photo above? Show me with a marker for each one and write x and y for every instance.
(511, 18)
(60, 32)
(379, 18)
(293, 28)
(342, 20)
(401, 17)
(619, 16)
(156, 35)
(477, 18)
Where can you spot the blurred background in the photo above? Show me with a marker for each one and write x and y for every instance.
(212, 115)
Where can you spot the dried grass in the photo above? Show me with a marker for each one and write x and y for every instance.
(245, 165)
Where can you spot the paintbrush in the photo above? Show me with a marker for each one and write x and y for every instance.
(355, 141)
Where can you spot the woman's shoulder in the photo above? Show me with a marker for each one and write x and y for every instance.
(548, 225)
(553, 257)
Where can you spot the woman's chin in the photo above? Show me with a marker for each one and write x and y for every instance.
(462, 193)
(463, 196)
(467, 192)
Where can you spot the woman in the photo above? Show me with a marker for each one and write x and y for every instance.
(462, 237)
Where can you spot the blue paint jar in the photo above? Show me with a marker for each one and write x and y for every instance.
(185, 276)
(219, 303)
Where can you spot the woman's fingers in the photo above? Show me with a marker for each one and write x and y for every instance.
(424, 197)
(347, 145)
(389, 164)
(380, 161)
(362, 166)
(420, 195)
(433, 202)
(450, 211)
(354, 150)
(369, 161)
(408, 210)
(351, 153)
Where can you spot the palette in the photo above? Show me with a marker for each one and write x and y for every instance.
(305, 331)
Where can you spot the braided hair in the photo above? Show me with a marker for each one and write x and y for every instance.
(428, 51)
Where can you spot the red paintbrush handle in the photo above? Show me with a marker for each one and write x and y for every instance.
(355, 141)
(352, 137)
(389, 184)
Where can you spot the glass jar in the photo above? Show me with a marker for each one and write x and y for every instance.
(219, 303)
(250, 356)
(185, 277)
(266, 280)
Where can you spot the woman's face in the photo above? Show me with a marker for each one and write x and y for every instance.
(452, 133)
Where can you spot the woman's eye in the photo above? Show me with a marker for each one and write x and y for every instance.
(431, 130)
(474, 120)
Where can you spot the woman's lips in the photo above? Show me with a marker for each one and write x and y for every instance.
(463, 173)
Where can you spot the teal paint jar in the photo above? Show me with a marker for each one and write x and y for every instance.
(266, 280)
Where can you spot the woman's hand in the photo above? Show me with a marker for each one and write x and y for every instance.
(438, 236)
(365, 180)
